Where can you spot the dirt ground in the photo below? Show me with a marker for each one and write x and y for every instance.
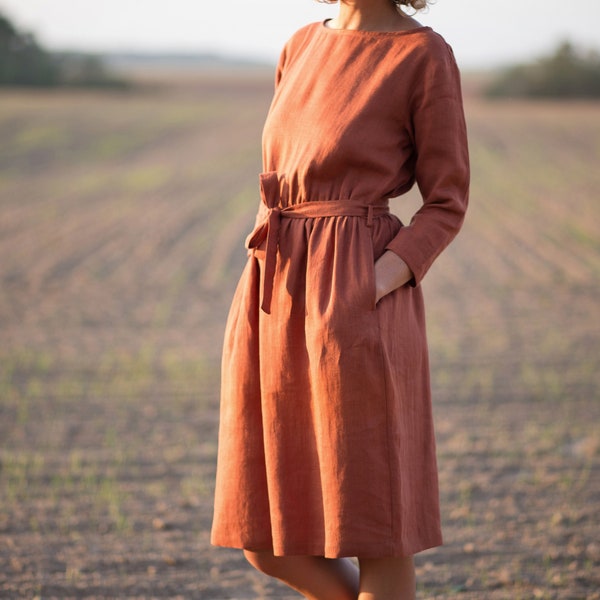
(121, 227)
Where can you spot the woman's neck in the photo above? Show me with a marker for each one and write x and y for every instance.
(371, 15)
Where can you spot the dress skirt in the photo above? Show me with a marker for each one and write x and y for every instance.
(326, 443)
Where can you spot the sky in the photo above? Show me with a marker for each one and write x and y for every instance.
(483, 33)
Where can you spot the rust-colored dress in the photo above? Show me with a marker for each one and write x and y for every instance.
(326, 443)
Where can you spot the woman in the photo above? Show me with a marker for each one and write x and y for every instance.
(326, 444)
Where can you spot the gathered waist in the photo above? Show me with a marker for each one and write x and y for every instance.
(313, 209)
(271, 212)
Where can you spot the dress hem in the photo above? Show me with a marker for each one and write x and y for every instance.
(370, 552)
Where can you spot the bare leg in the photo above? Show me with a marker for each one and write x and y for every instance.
(387, 579)
(315, 577)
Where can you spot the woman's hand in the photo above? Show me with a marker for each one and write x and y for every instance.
(391, 272)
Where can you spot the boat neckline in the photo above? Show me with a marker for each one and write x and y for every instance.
(368, 32)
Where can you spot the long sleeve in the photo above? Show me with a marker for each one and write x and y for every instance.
(441, 166)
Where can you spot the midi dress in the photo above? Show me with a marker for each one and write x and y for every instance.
(326, 439)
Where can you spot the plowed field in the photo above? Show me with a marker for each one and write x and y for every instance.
(122, 218)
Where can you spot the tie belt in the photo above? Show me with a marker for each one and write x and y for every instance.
(270, 215)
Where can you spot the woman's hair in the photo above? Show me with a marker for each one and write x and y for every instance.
(414, 4)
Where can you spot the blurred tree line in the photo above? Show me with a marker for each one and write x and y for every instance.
(24, 62)
(567, 73)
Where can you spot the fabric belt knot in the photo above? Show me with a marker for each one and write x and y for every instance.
(271, 213)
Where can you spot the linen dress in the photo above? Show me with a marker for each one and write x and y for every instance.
(326, 441)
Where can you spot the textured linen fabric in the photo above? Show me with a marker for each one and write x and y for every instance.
(326, 441)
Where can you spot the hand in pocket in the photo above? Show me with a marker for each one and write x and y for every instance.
(391, 272)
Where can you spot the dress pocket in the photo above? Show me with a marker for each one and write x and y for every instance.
(369, 287)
